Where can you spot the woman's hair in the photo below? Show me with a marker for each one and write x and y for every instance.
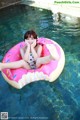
(29, 34)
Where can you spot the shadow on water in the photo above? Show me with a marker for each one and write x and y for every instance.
(53, 101)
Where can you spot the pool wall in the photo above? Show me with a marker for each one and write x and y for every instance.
(5, 3)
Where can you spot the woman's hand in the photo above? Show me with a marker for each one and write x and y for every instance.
(27, 43)
(33, 44)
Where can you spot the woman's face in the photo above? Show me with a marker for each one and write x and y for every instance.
(30, 40)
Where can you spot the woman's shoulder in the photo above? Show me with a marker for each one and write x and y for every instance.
(23, 47)
(39, 46)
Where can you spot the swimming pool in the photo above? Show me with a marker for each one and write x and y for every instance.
(59, 100)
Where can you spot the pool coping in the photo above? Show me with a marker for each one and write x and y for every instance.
(10, 4)
(68, 9)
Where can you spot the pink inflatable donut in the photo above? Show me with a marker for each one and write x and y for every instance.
(50, 72)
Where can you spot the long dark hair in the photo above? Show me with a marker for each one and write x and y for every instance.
(29, 34)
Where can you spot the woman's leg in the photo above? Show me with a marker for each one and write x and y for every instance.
(14, 65)
(53, 56)
(43, 60)
(53, 51)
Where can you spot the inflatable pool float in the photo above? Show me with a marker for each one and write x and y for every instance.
(49, 72)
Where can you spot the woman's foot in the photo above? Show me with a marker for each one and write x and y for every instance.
(53, 52)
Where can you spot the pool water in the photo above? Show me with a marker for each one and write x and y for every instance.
(59, 100)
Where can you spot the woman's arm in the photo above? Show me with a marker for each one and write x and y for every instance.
(25, 52)
(26, 55)
(38, 53)
(34, 53)
(22, 52)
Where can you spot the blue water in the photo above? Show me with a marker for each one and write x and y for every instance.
(59, 100)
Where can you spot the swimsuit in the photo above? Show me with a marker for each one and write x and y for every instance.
(32, 62)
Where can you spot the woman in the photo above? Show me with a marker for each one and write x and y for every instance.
(30, 53)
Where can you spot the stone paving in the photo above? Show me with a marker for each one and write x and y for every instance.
(69, 9)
